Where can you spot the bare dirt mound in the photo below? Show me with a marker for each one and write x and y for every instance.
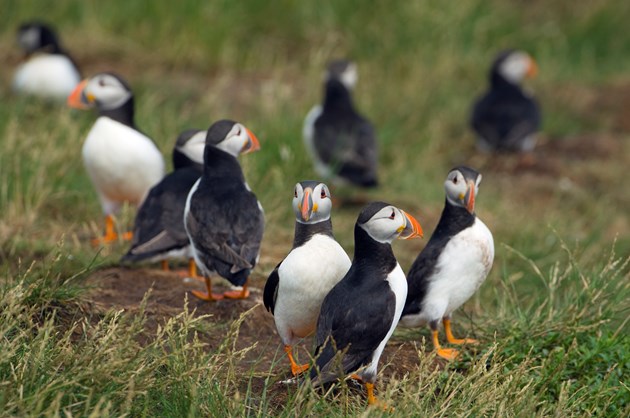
(125, 288)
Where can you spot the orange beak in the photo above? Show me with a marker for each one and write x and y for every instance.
(412, 228)
(469, 199)
(307, 205)
(253, 144)
(532, 70)
(75, 99)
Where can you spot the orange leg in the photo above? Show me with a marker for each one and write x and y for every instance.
(238, 294)
(165, 266)
(191, 273)
(207, 295)
(446, 353)
(295, 368)
(110, 233)
(372, 399)
(449, 335)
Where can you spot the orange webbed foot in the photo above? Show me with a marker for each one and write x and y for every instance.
(447, 353)
(207, 296)
(237, 294)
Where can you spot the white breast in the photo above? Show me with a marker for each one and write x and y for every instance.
(122, 163)
(51, 76)
(308, 133)
(398, 285)
(305, 277)
(461, 268)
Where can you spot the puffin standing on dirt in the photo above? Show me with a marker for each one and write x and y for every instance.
(341, 142)
(223, 219)
(506, 117)
(454, 263)
(295, 289)
(123, 163)
(47, 71)
(360, 313)
(159, 233)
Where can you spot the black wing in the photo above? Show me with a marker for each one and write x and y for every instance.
(271, 289)
(347, 143)
(354, 324)
(159, 226)
(503, 120)
(226, 226)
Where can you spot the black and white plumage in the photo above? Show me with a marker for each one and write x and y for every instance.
(506, 117)
(454, 263)
(48, 71)
(341, 142)
(122, 162)
(297, 286)
(159, 233)
(223, 219)
(360, 313)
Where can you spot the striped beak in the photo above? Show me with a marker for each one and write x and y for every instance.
(78, 99)
(469, 198)
(306, 207)
(412, 228)
(252, 144)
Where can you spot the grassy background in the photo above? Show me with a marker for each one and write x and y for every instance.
(553, 309)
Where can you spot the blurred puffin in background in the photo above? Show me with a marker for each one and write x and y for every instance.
(507, 118)
(159, 233)
(297, 286)
(223, 219)
(342, 143)
(360, 313)
(123, 163)
(47, 71)
(454, 263)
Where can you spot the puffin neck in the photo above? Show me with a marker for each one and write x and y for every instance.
(371, 253)
(453, 219)
(304, 232)
(123, 114)
(180, 160)
(497, 81)
(337, 97)
(218, 163)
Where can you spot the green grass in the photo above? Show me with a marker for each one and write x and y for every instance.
(552, 316)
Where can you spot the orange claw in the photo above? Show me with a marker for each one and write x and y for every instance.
(237, 294)
(295, 368)
(451, 339)
(445, 353)
(209, 296)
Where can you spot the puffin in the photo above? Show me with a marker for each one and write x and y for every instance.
(48, 71)
(297, 286)
(507, 118)
(342, 143)
(159, 233)
(122, 162)
(359, 314)
(223, 219)
(454, 263)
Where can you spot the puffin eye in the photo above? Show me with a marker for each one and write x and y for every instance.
(455, 180)
(393, 215)
(295, 193)
(101, 82)
(323, 195)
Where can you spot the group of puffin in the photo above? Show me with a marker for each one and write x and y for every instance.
(205, 211)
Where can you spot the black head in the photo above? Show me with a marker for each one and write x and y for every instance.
(231, 137)
(37, 37)
(189, 148)
(384, 223)
(344, 71)
(512, 66)
(462, 186)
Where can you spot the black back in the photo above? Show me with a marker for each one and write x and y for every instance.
(345, 140)
(454, 219)
(505, 115)
(357, 313)
(225, 222)
(159, 225)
